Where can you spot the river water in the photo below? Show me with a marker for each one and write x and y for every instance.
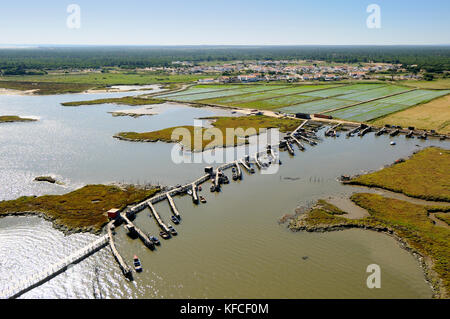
(231, 247)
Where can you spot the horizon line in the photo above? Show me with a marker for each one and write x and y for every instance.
(6, 45)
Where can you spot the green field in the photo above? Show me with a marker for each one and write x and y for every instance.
(375, 109)
(222, 93)
(344, 90)
(316, 106)
(268, 99)
(374, 93)
(367, 111)
(197, 90)
(312, 98)
(276, 103)
(416, 97)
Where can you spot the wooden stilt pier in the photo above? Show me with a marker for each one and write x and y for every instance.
(246, 166)
(142, 236)
(382, 131)
(194, 193)
(17, 288)
(158, 218)
(365, 131)
(238, 170)
(300, 145)
(289, 148)
(126, 270)
(257, 162)
(173, 207)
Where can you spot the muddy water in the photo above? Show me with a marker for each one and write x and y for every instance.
(230, 247)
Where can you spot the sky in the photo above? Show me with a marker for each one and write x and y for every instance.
(224, 22)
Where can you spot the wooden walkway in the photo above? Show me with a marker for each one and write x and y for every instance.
(173, 207)
(158, 219)
(126, 270)
(18, 288)
(142, 236)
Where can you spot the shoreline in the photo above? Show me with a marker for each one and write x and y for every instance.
(425, 262)
(66, 230)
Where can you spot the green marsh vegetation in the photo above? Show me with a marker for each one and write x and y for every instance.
(127, 100)
(425, 175)
(81, 210)
(14, 118)
(257, 122)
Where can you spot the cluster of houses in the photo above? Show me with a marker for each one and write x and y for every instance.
(254, 71)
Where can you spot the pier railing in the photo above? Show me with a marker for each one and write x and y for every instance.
(17, 288)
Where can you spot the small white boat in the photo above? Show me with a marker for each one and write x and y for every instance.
(393, 143)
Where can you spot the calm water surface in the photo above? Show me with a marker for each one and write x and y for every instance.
(232, 247)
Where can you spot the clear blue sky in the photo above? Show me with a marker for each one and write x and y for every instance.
(181, 22)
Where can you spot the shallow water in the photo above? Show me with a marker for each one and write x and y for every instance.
(230, 247)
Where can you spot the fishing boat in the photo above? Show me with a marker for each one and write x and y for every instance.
(164, 235)
(155, 240)
(202, 199)
(137, 264)
(172, 230)
(175, 220)
(200, 188)
(213, 188)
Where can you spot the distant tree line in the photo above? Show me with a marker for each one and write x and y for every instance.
(434, 59)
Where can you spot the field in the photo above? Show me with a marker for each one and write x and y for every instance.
(316, 106)
(379, 108)
(347, 89)
(276, 103)
(374, 93)
(434, 115)
(222, 93)
(367, 111)
(370, 100)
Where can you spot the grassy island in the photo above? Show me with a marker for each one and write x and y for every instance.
(81, 210)
(425, 175)
(14, 118)
(46, 88)
(127, 100)
(222, 123)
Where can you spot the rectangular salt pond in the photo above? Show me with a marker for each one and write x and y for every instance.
(277, 102)
(374, 93)
(344, 90)
(316, 106)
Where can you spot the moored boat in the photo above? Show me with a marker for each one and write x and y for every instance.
(164, 235)
(175, 220)
(202, 199)
(137, 264)
(155, 240)
(172, 230)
